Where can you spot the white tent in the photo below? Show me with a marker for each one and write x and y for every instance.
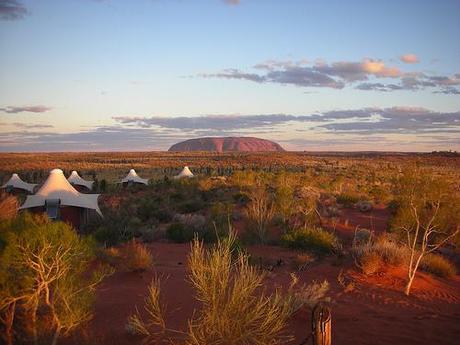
(16, 182)
(75, 179)
(56, 187)
(134, 177)
(184, 173)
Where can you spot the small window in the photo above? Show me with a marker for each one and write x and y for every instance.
(9, 188)
(52, 208)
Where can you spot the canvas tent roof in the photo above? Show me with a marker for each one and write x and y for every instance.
(74, 178)
(56, 187)
(16, 182)
(184, 173)
(134, 177)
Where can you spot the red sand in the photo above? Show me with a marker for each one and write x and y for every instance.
(375, 312)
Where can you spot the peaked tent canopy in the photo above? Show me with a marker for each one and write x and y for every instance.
(75, 179)
(16, 182)
(56, 187)
(185, 173)
(134, 177)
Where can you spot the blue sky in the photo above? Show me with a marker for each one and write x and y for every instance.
(312, 75)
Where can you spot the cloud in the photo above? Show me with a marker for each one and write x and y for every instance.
(409, 58)
(352, 71)
(378, 87)
(232, 2)
(338, 129)
(29, 109)
(210, 122)
(12, 10)
(234, 74)
(449, 91)
(368, 120)
(338, 75)
(31, 126)
(393, 120)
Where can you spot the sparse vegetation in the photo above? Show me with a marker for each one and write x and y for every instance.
(438, 265)
(234, 309)
(313, 239)
(428, 216)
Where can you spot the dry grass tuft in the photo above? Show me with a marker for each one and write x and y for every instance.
(135, 257)
(155, 311)
(234, 309)
(300, 296)
(438, 265)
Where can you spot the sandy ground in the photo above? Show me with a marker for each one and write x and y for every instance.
(373, 310)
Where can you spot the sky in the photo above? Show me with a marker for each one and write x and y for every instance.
(136, 75)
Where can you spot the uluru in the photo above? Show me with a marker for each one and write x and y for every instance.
(226, 144)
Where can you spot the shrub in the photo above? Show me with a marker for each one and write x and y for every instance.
(8, 206)
(191, 206)
(391, 252)
(43, 278)
(371, 254)
(260, 212)
(438, 265)
(364, 206)
(149, 234)
(299, 296)
(301, 261)
(195, 222)
(234, 308)
(347, 200)
(163, 215)
(315, 239)
(361, 236)
(369, 262)
(136, 257)
(178, 232)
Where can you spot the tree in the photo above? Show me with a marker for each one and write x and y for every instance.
(428, 215)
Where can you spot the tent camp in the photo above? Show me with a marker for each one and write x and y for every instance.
(60, 200)
(132, 177)
(15, 182)
(184, 173)
(76, 180)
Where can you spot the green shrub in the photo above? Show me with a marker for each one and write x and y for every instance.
(44, 281)
(314, 239)
(347, 200)
(191, 206)
(179, 233)
(163, 215)
(438, 265)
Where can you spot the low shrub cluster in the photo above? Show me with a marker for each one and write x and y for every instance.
(438, 265)
(314, 239)
(347, 200)
(370, 253)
